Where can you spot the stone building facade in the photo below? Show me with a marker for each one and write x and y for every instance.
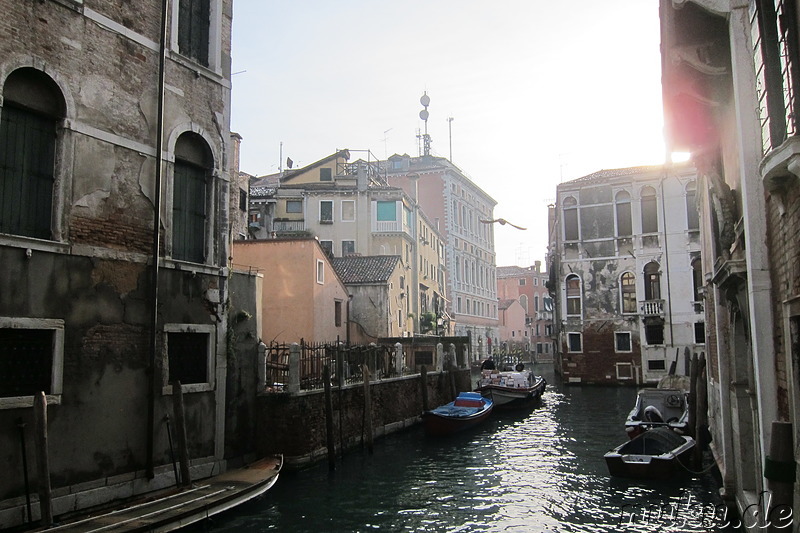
(529, 286)
(730, 74)
(95, 174)
(455, 205)
(625, 255)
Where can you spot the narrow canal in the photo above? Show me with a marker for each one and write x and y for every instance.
(540, 470)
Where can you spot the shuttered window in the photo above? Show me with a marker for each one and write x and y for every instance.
(194, 17)
(189, 213)
(27, 148)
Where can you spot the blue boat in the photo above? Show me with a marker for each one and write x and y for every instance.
(467, 410)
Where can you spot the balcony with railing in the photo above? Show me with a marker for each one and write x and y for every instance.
(288, 226)
(652, 307)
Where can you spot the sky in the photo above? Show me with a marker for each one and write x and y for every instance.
(539, 91)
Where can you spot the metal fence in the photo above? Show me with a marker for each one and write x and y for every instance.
(343, 360)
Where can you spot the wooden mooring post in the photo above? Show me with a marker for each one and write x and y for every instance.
(367, 409)
(423, 378)
(180, 430)
(42, 460)
(331, 442)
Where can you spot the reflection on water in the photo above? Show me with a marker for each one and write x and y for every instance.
(539, 470)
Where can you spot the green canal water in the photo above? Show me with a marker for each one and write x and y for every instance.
(536, 471)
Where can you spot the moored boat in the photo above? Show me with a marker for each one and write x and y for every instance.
(467, 410)
(510, 390)
(658, 453)
(657, 407)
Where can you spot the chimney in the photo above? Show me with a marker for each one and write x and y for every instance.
(537, 265)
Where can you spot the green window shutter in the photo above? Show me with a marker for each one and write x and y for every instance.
(189, 213)
(387, 211)
(27, 149)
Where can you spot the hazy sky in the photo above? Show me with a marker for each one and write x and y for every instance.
(540, 91)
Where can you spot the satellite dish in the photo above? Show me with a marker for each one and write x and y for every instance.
(425, 100)
(424, 114)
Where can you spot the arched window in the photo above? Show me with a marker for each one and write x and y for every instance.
(571, 232)
(190, 198)
(649, 210)
(622, 204)
(627, 289)
(32, 109)
(573, 283)
(692, 216)
(652, 281)
(523, 301)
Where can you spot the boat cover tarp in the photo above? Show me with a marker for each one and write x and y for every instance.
(656, 441)
(456, 411)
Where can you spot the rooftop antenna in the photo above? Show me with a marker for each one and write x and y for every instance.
(385, 149)
(425, 100)
(280, 159)
(450, 132)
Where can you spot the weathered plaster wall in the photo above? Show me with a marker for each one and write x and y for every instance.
(98, 429)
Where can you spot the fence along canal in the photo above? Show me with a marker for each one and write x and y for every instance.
(406, 376)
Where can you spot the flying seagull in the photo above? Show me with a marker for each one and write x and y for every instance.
(502, 222)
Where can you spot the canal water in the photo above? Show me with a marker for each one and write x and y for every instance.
(536, 471)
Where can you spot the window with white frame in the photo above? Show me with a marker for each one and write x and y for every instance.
(294, 206)
(189, 357)
(692, 215)
(31, 360)
(348, 210)
(624, 371)
(320, 271)
(622, 342)
(326, 212)
(573, 283)
(348, 247)
(574, 342)
(570, 209)
(627, 289)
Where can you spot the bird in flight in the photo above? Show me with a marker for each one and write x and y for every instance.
(502, 222)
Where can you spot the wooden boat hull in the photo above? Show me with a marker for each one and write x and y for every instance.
(439, 422)
(651, 455)
(514, 397)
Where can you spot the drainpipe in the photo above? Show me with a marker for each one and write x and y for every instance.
(151, 365)
(666, 255)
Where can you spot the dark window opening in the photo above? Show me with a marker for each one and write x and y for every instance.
(242, 200)
(692, 215)
(656, 364)
(654, 333)
(571, 219)
(623, 207)
(652, 282)
(649, 211)
(574, 342)
(188, 357)
(325, 174)
(337, 312)
(700, 332)
(623, 341)
(194, 21)
(26, 361)
(326, 212)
